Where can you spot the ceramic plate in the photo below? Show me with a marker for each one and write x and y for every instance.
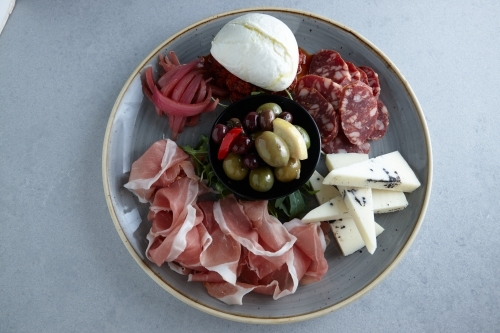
(134, 125)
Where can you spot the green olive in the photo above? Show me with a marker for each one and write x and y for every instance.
(261, 179)
(233, 167)
(272, 149)
(306, 137)
(289, 172)
(270, 106)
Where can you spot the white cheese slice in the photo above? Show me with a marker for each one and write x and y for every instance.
(359, 202)
(383, 201)
(325, 192)
(331, 210)
(335, 208)
(388, 201)
(386, 172)
(336, 161)
(348, 237)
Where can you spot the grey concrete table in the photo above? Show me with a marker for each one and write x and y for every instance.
(63, 267)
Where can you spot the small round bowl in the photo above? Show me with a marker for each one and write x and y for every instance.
(301, 117)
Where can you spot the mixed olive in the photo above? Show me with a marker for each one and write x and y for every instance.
(260, 148)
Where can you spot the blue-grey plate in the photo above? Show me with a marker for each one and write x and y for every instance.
(134, 125)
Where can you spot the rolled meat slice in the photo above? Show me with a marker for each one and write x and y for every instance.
(358, 112)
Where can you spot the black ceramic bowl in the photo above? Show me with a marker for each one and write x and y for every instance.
(301, 117)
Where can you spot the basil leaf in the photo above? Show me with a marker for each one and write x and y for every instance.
(297, 204)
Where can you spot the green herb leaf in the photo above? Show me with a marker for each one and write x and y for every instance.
(297, 204)
(280, 204)
(308, 188)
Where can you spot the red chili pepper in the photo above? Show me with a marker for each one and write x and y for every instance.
(225, 145)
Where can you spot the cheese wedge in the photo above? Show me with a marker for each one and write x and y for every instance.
(386, 172)
(337, 161)
(331, 210)
(383, 201)
(335, 208)
(388, 201)
(325, 192)
(348, 237)
(359, 201)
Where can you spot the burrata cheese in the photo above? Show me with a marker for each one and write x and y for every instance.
(259, 49)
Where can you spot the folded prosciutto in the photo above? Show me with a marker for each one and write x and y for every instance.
(233, 247)
(158, 167)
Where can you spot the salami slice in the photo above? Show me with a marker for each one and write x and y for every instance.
(322, 112)
(342, 145)
(354, 71)
(363, 78)
(358, 112)
(330, 90)
(372, 79)
(382, 122)
(328, 63)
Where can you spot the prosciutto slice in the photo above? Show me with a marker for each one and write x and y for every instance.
(173, 232)
(265, 238)
(223, 252)
(233, 247)
(311, 242)
(158, 167)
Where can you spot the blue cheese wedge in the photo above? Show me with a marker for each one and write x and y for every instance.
(331, 210)
(347, 235)
(386, 172)
(325, 192)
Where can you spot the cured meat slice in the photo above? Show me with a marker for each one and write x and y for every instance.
(311, 242)
(342, 145)
(322, 112)
(158, 167)
(329, 64)
(363, 77)
(354, 71)
(228, 293)
(172, 231)
(250, 232)
(358, 112)
(330, 90)
(373, 81)
(222, 254)
(382, 122)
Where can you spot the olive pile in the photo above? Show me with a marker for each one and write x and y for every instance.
(249, 147)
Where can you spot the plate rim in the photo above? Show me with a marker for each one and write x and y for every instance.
(253, 319)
